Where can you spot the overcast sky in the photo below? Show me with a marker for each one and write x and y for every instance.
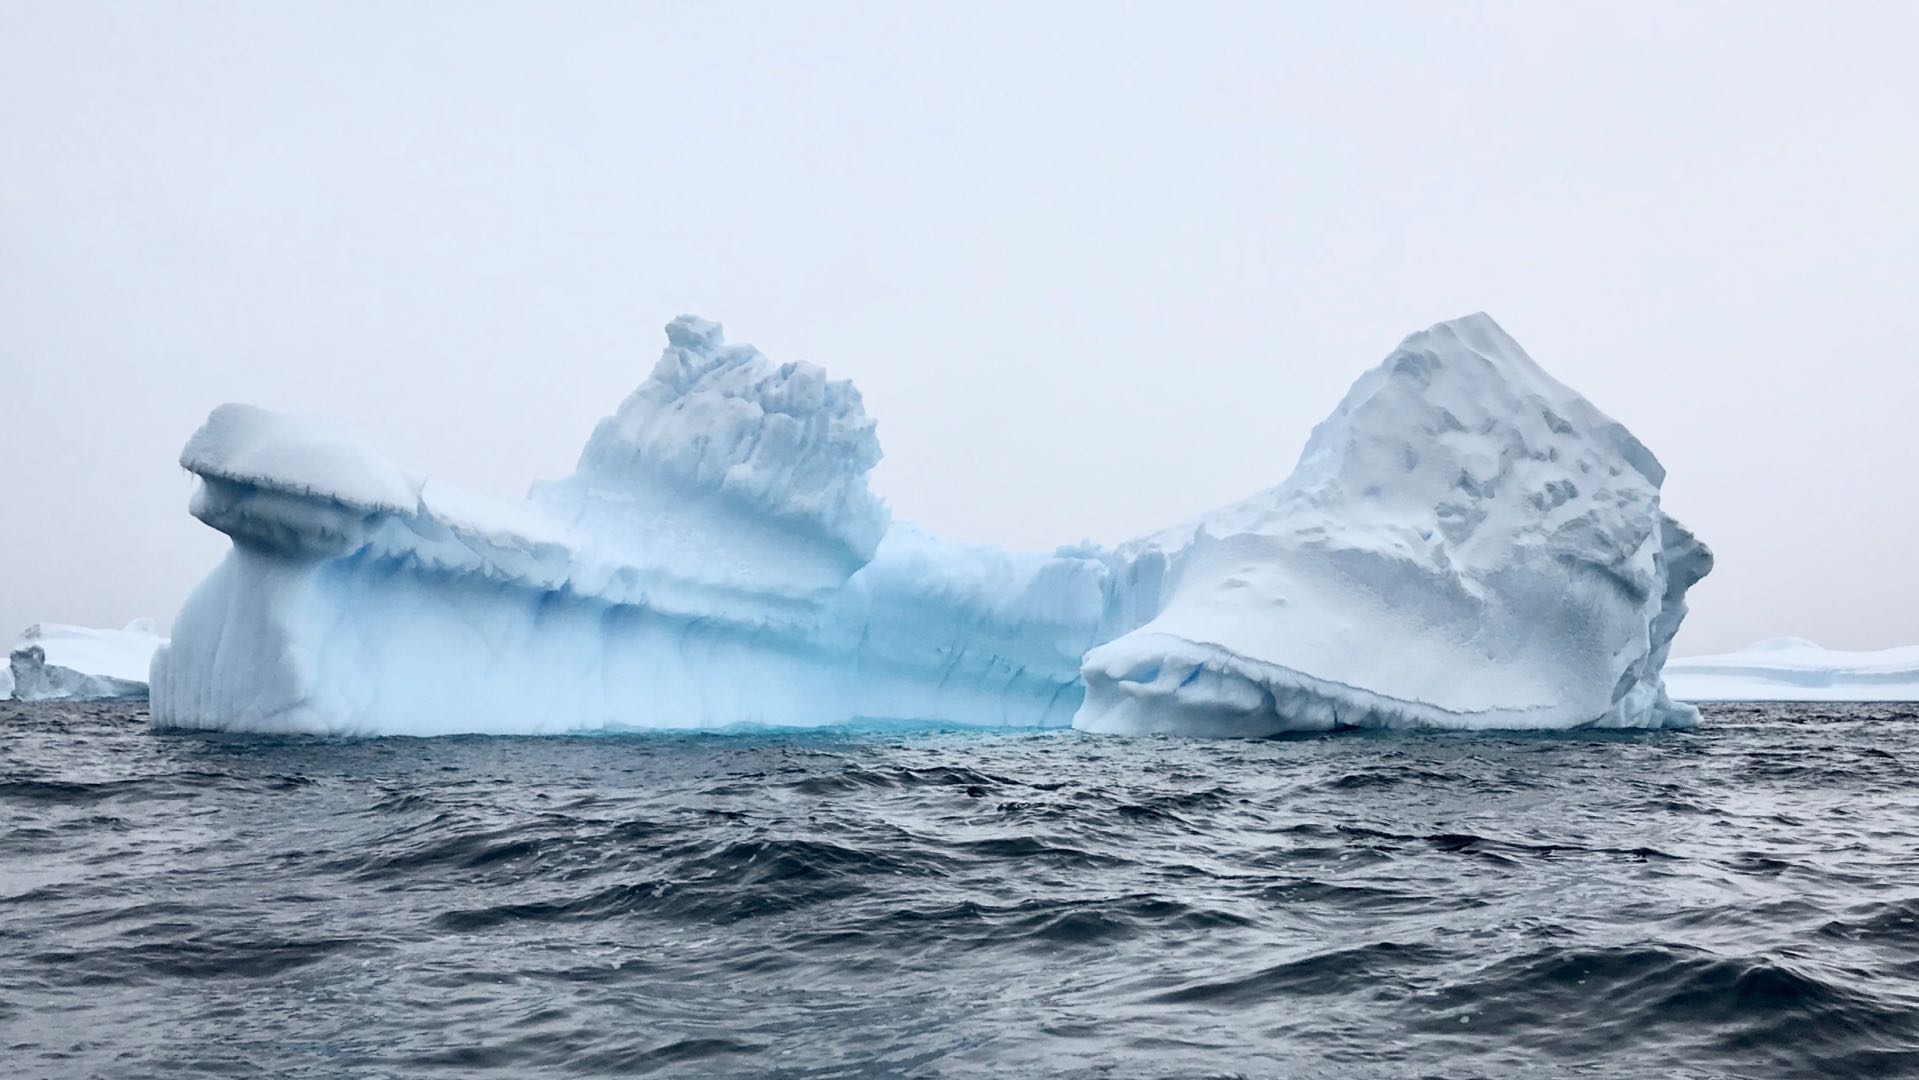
(1094, 266)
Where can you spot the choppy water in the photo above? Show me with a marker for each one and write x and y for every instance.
(1739, 901)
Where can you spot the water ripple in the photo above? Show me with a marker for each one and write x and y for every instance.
(1738, 901)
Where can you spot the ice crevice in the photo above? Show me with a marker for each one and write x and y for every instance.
(1464, 543)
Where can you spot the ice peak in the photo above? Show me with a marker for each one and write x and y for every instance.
(1469, 377)
(726, 422)
(695, 333)
(1475, 335)
(1477, 322)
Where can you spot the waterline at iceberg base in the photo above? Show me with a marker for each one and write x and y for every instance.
(1464, 543)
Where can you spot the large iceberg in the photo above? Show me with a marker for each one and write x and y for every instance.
(54, 661)
(1794, 669)
(1465, 543)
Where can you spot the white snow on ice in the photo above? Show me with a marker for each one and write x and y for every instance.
(1465, 543)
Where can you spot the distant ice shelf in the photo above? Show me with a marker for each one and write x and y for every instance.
(1794, 669)
(1464, 543)
(54, 661)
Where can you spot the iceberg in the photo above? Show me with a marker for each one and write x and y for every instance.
(716, 560)
(1794, 669)
(1465, 543)
(54, 661)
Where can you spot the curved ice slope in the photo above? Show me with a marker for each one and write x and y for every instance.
(1794, 669)
(1465, 543)
(54, 661)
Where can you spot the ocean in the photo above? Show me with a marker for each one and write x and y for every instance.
(1740, 900)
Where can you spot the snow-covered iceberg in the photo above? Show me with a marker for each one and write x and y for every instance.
(716, 560)
(55, 661)
(1794, 669)
(1465, 543)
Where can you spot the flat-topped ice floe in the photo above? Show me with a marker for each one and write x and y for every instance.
(1794, 669)
(54, 661)
(1465, 543)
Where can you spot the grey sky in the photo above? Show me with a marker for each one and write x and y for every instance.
(1094, 266)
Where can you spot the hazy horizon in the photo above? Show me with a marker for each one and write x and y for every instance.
(1095, 268)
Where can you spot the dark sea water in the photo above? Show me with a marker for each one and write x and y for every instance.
(1738, 901)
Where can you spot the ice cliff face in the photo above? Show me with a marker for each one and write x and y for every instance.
(54, 661)
(1464, 543)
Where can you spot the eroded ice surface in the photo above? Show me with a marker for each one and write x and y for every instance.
(1794, 669)
(716, 560)
(1465, 543)
(56, 661)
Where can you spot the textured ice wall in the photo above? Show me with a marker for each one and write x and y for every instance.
(1465, 543)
